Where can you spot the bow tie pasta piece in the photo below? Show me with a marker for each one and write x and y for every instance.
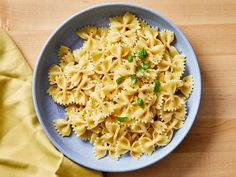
(126, 111)
(149, 76)
(79, 97)
(62, 97)
(100, 148)
(147, 145)
(80, 127)
(175, 66)
(143, 24)
(81, 55)
(123, 29)
(112, 131)
(68, 58)
(187, 87)
(103, 110)
(63, 127)
(112, 153)
(175, 124)
(86, 136)
(79, 124)
(101, 38)
(132, 137)
(159, 101)
(96, 97)
(92, 124)
(173, 102)
(165, 63)
(135, 150)
(150, 35)
(54, 72)
(102, 33)
(87, 32)
(53, 90)
(126, 37)
(147, 95)
(119, 51)
(65, 56)
(123, 90)
(73, 109)
(63, 51)
(103, 66)
(155, 51)
(93, 138)
(178, 65)
(126, 69)
(167, 37)
(163, 141)
(96, 55)
(109, 91)
(179, 114)
(64, 83)
(143, 115)
(172, 51)
(140, 127)
(170, 87)
(129, 87)
(123, 146)
(122, 98)
(71, 72)
(124, 23)
(159, 127)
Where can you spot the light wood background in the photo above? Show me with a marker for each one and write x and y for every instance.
(210, 148)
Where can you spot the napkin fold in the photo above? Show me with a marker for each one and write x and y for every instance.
(25, 151)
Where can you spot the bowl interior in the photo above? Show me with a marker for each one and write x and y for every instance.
(74, 148)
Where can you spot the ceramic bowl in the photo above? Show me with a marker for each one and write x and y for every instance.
(47, 110)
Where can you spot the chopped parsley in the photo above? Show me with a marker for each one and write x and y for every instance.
(133, 79)
(140, 102)
(130, 58)
(142, 54)
(119, 80)
(157, 87)
(122, 119)
(146, 65)
(140, 70)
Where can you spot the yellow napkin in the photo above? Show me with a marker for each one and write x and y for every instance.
(25, 151)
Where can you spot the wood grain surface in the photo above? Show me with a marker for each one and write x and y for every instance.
(210, 148)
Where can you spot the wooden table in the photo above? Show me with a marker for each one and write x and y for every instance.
(210, 148)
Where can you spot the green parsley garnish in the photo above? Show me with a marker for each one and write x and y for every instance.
(130, 58)
(142, 54)
(157, 87)
(122, 119)
(140, 102)
(140, 70)
(119, 80)
(133, 79)
(146, 65)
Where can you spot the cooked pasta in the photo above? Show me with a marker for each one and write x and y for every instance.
(123, 90)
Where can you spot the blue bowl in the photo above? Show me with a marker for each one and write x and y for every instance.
(47, 110)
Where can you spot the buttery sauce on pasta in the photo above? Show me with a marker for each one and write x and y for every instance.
(123, 90)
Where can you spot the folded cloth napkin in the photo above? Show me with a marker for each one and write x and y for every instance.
(25, 151)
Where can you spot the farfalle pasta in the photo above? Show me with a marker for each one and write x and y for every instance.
(123, 90)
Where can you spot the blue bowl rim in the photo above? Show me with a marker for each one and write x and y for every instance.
(83, 163)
